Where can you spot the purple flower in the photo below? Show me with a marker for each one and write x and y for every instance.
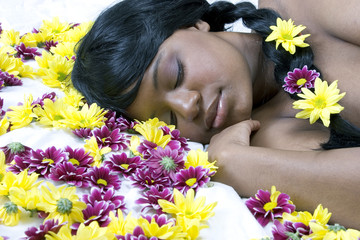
(289, 230)
(175, 135)
(96, 195)
(83, 132)
(9, 79)
(0, 28)
(121, 163)
(1, 84)
(33, 233)
(13, 149)
(150, 199)
(40, 101)
(112, 139)
(266, 210)
(109, 196)
(42, 161)
(79, 157)
(67, 172)
(26, 53)
(160, 219)
(138, 234)
(2, 112)
(300, 78)
(191, 178)
(166, 161)
(146, 178)
(145, 148)
(101, 178)
(50, 44)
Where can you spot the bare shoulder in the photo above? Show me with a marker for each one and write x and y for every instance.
(336, 18)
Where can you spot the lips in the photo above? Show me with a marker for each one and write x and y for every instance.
(211, 112)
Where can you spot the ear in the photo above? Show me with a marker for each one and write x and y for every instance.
(202, 26)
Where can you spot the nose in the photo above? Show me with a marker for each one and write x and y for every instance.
(185, 103)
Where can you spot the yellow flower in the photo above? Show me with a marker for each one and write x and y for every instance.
(8, 63)
(64, 49)
(332, 232)
(2, 165)
(4, 125)
(10, 37)
(191, 227)
(37, 39)
(26, 71)
(287, 34)
(121, 226)
(151, 131)
(61, 203)
(25, 199)
(188, 206)
(88, 117)
(55, 27)
(135, 141)
(200, 158)
(44, 60)
(320, 104)
(166, 231)
(91, 232)
(9, 214)
(320, 216)
(21, 115)
(93, 149)
(73, 97)
(21, 180)
(75, 34)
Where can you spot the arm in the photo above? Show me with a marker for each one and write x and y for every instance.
(309, 177)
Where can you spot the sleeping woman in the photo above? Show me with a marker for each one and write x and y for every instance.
(270, 103)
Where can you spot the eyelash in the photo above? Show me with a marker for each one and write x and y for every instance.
(179, 80)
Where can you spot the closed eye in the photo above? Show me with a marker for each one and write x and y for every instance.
(179, 81)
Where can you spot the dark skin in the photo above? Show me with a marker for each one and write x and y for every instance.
(274, 148)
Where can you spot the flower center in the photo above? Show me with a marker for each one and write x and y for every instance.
(124, 165)
(287, 36)
(1, 176)
(47, 160)
(336, 228)
(64, 206)
(11, 208)
(74, 161)
(191, 181)
(301, 81)
(62, 76)
(102, 181)
(270, 206)
(58, 117)
(168, 163)
(320, 102)
(16, 147)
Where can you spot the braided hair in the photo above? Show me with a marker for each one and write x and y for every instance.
(113, 56)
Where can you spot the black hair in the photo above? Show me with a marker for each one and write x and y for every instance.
(112, 58)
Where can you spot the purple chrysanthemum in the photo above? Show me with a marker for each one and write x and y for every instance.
(166, 161)
(9, 79)
(264, 210)
(40, 101)
(175, 135)
(145, 178)
(26, 53)
(113, 139)
(79, 157)
(33, 233)
(50, 44)
(121, 163)
(160, 219)
(300, 78)
(19, 164)
(138, 234)
(102, 178)
(150, 199)
(42, 161)
(289, 230)
(67, 172)
(13, 149)
(1, 84)
(83, 132)
(2, 112)
(145, 148)
(191, 178)
(96, 195)
(0, 28)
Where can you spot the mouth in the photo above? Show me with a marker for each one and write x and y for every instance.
(215, 115)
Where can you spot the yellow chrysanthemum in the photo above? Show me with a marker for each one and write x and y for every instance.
(73, 97)
(8, 63)
(200, 158)
(88, 117)
(44, 61)
(151, 131)
(321, 216)
(21, 115)
(191, 227)
(25, 199)
(26, 71)
(21, 180)
(36, 39)
(188, 206)
(166, 231)
(286, 33)
(10, 37)
(4, 125)
(135, 141)
(320, 104)
(93, 149)
(55, 27)
(57, 75)
(332, 232)
(64, 49)
(61, 203)
(91, 232)
(78, 32)
(9, 214)
(2, 165)
(121, 226)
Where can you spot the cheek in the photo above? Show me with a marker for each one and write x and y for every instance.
(195, 133)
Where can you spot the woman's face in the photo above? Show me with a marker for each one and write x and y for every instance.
(199, 82)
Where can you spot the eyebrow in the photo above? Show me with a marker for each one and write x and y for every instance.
(155, 74)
